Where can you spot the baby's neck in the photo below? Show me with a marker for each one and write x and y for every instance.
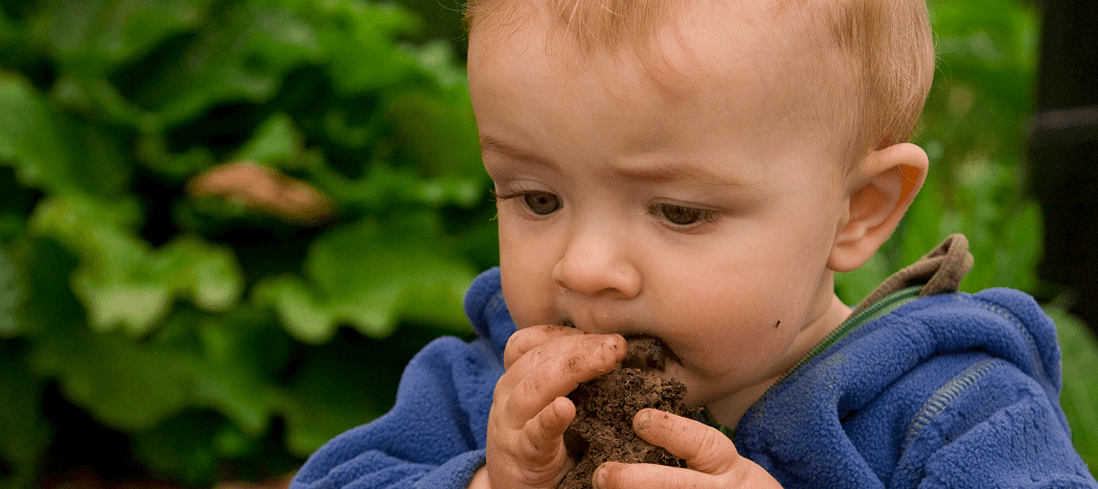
(728, 411)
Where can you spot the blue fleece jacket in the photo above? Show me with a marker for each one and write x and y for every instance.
(950, 390)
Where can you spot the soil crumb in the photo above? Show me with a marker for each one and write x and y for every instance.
(645, 354)
(603, 427)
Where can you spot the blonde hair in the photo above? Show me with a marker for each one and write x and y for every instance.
(872, 91)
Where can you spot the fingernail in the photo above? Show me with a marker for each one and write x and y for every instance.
(643, 420)
(598, 479)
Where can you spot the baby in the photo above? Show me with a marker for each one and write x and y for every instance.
(696, 172)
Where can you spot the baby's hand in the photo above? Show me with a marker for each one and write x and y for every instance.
(529, 414)
(711, 456)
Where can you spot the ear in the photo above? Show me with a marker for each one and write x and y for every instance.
(878, 193)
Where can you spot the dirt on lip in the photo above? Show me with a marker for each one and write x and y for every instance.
(605, 406)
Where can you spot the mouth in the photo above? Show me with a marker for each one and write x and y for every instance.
(647, 353)
(644, 352)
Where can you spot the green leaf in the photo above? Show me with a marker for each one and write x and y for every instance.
(94, 96)
(321, 405)
(102, 167)
(241, 54)
(96, 35)
(11, 294)
(275, 143)
(302, 313)
(369, 277)
(229, 378)
(181, 447)
(31, 137)
(922, 227)
(1020, 246)
(110, 107)
(120, 279)
(1079, 397)
(91, 40)
(53, 152)
(324, 405)
(358, 39)
(24, 431)
(120, 384)
(194, 360)
(17, 201)
(435, 135)
(152, 150)
(437, 58)
(854, 286)
(206, 273)
(9, 36)
(383, 189)
(44, 268)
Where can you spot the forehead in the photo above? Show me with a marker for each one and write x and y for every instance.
(663, 34)
(730, 57)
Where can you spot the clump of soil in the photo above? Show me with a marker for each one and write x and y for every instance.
(605, 406)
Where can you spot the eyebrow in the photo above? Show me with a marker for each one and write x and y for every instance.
(656, 173)
(489, 143)
(677, 172)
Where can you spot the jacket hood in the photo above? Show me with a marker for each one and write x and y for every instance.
(487, 312)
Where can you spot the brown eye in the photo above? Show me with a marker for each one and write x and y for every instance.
(542, 203)
(680, 215)
(684, 217)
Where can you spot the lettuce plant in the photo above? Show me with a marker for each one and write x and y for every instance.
(226, 225)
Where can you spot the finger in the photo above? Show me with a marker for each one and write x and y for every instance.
(564, 364)
(572, 345)
(704, 448)
(543, 432)
(614, 475)
(526, 339)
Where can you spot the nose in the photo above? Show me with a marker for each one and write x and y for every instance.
(596, 262)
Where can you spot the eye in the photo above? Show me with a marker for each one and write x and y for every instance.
(541, 203)
(681, 215)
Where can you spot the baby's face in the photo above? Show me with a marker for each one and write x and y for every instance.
(685, 206)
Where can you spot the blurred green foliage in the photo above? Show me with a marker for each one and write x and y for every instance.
(218, 338)
(1079, 397)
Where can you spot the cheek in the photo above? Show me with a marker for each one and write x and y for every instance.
(746, 298)
(526, 275)
(517, 251)
(523, 301)
(738, 312)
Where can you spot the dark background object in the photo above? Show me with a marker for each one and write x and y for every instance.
(1063, 152)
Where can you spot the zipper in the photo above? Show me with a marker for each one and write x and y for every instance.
(880, 308)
